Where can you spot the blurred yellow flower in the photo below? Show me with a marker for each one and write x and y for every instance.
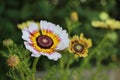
(13, 61)
(7, 42)
(113, 24)
(24, 24)
(98, 24)
(108, 24)
(74, 16)
(80, 46)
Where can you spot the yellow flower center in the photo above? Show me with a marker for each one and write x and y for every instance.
(78, 47)
(44, 41)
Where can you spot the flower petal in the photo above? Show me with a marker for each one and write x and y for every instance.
(44, 25)
(35, 54)
(64, 43)
(29, 47)
(57, 29)
(33, 27)
(54, 56)
(26, 35)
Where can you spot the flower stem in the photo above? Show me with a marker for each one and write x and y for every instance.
(95, 76)
(22, 75)
(34, 67)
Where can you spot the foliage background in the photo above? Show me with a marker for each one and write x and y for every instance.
(13, 12)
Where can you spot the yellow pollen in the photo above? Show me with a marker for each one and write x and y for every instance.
(79, 47)
(44, 40)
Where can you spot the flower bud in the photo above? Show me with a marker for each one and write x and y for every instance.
(7, 42)
(13, 61)
(103, 16)
(74, 16)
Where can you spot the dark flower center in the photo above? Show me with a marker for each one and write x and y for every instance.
(44, 41)
(78, 47)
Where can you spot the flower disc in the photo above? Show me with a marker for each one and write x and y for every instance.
(78, 47)
(44, 41)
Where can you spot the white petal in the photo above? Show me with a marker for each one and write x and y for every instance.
(43, 24)
(44, 54)
(26, 29)
(33, 27)
(54, 56)
(46, 25)
(35, 54)
(57, 30)
(60, 46)
(30, 48)
(26, 35)
(64, 43)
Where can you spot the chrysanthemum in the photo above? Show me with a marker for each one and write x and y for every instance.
(46, 40)
(80, 46)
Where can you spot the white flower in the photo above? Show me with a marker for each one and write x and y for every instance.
(46, 40)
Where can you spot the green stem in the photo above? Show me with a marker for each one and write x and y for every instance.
(28, 78)
(34, 67)
(67, 68)
(61, 64)
(22, 75)
(98, 69)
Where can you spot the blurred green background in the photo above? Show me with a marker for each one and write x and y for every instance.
(13, 12)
